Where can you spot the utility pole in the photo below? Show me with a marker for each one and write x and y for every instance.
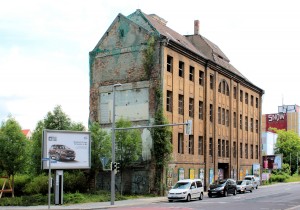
(113, 177)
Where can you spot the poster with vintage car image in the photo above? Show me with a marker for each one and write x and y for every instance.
(66, 149)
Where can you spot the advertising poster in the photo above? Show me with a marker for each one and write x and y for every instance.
(256, 169)
(201, 174)
(169, 177)
(66, 149)
(211, 175)
(192, 173)
(277, 161)
(180, 173)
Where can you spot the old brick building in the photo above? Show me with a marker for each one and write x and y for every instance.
(198, 83)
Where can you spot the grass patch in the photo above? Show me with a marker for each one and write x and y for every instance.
(294, 178)
(69, 198)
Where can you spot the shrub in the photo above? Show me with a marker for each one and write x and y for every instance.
(38, 185)
(75, 182)
(278, 178)
(20, 182)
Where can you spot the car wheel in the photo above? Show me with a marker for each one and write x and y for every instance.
(225, 193)
(188, 198)
(57, 156)
(201, 196)
(234, 192)
(251, 190)
(257, 187)
(170, 200)
(209, 195)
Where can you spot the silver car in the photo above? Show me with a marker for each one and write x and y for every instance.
(244, 185)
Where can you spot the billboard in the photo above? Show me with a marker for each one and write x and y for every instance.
(66, 149)
(278, 121)
(272, 161)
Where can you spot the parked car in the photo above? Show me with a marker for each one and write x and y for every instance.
(255, 179)
(186, 189)
(222, 187)
(61, 152)
(244, 185)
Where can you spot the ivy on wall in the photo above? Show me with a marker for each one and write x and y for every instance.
(149, 57)
(162, 146)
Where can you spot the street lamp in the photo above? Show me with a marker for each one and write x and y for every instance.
(112, 187)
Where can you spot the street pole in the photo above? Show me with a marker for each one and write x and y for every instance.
(112, 187)
(50, 183)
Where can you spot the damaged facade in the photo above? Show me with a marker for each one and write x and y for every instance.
(198, 83)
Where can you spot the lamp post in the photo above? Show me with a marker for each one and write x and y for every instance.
(112, 187)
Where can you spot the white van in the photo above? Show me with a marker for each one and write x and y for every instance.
(186, 189)
(254, 179)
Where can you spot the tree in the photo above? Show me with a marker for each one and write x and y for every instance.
(128, 145)
(101, 147)
(288, 144)
(13, 145)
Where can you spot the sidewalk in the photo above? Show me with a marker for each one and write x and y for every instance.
(96, 205)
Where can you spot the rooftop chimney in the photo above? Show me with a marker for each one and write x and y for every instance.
(196, 27)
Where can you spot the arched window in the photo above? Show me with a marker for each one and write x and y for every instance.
(223, 87)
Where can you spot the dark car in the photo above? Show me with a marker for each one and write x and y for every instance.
(222, 187)
(61, 152)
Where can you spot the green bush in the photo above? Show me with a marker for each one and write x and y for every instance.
(278, 178)
(38, 185)
(31, 200)
(75, 182)
(20, 182)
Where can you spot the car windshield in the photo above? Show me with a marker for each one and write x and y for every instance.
(219, 183)
(182, 185)
(241, 182)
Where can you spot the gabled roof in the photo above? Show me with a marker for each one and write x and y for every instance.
(194, 43)
(25, 131)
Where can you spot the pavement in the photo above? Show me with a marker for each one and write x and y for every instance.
(91, 206)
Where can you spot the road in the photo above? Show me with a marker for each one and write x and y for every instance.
(284, 196)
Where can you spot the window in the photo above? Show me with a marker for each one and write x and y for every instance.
(180, 143)
(234, 149)
(169, 101)
(219, 115)
(223, 116)
(246, 98)
(210, 147)
(227, 148)
(169, 64)
(200, 110)
(181, 69)
(201, 78)
(251, 100)
(256, 102)
(211, 81)
(234, 119)
(251, 124)
(223, 87)
(227, 118)
(251, 151)
(191, 107)
(241, 96)
(180, 104)
(234, 92)
(192, 72)
(200, 145)
(241, 150)
(210, 112)
(191, 144)
(241, 121)
(256, 151)
(246, 151)
(219, 148)
(256, 126)
(246, 123)
(223, 148)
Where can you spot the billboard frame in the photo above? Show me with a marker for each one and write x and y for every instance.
(77, 141)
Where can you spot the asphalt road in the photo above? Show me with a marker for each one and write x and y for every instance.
(274, 197)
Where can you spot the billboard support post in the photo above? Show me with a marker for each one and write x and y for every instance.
(113, 177)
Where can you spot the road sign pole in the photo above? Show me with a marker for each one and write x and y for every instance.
(49, 184)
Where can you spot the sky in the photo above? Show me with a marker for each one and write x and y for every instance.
(45, 45)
